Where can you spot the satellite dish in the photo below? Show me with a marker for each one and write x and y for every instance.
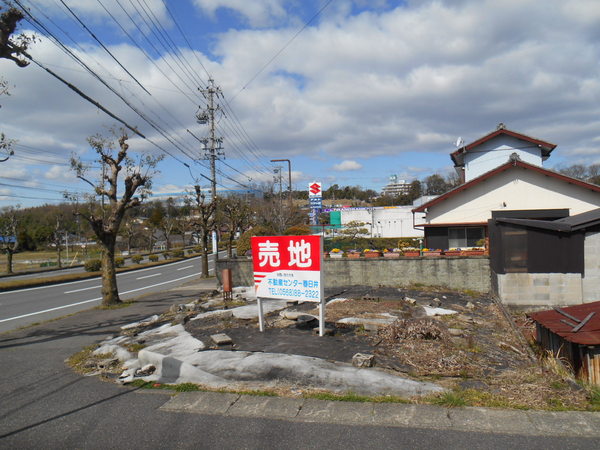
(459, 142)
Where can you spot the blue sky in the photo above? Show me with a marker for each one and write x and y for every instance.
(368, 89)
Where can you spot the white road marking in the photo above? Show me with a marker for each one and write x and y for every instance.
(150, 276)
(186, 267)
(93, 299)
(82, 289)
(133, 272)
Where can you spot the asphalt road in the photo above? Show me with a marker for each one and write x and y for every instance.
(43, 404)
(31, 305)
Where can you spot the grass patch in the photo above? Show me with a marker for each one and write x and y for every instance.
(471, 397)
(352, 397)
(116, 305)
(84, 361)
(135, 347)
(450, 399)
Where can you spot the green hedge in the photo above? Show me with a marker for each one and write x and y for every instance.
(119, 262)
(93, 265)
(153, 258)
(136, 259)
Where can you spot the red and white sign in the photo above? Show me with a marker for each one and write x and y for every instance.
(314, 189)
(288, 267)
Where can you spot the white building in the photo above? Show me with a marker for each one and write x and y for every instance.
(396, 188)
(514, 187)
(382, 221)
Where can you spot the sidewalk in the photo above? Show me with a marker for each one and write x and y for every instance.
(533, 423)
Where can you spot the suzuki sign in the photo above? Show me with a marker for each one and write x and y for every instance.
(314, 189)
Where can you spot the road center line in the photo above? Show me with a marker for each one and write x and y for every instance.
(186, 267)
(82, 289)
(93, 299)
(149, 276)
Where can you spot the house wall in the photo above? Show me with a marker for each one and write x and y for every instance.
(514, 189)
(455, 273)
(496, 152)
(534, 289)
(591, 257)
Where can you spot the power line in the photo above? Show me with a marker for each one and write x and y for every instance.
(325, 5)
(103, 46)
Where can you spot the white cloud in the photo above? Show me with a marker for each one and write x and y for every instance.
(258, 13)
(347, 165)
(389, 82)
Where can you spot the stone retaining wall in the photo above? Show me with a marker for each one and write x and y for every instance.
(455, 273)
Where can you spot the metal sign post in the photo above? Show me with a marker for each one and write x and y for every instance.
(288, 268)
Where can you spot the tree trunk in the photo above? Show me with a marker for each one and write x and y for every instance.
(110, 294)
(204, 244)
(9, 262)
(230, 246)
(58, 258)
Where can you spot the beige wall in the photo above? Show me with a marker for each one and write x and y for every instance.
(516, 188)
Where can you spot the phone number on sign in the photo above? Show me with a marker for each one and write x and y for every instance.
(301, 293)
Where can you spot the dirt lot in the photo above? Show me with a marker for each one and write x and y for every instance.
(476, 351)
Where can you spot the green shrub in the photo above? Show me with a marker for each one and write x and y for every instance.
(93, 265)
(178, 253)
(119, 262)
(297, 230)
(136, 259)
(153, 258)
(243, 243)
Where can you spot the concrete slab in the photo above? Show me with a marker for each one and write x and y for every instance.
(201, 402)
(393, 414)
(336, 412)
(268, 407)
(497, 421)
(429, 416)
(562, 423)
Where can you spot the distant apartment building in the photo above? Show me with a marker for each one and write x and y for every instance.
(395, 187)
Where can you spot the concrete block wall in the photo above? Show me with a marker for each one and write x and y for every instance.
(591, 276)
(548, 289)
(455, 273)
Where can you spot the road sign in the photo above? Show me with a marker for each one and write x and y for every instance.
(288, 268)
(315, 202)
(314, 189)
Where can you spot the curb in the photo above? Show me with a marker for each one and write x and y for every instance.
(532, 423)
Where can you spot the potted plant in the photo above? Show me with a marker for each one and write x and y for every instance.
(354, 254)
(474, 251)
(336, 253)
(432, 252)
(392, 254)
(453, 252)
(411, 252)
(369, 253)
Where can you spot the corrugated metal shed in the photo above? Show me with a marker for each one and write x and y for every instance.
(564, 326)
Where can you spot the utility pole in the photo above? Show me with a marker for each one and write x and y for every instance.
(289, 178)
(212, 144)
(277, 179)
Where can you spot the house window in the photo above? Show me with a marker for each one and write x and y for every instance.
(465, 236)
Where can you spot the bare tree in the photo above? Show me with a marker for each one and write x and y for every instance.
(9, 243)
(234, 213)
(13, 47)
(203, 221)
(56, 238)
(106, 220)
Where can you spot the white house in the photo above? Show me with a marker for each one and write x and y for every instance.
(494, 149)
(515, 187)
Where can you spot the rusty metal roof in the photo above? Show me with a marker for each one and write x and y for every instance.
(567, 322)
